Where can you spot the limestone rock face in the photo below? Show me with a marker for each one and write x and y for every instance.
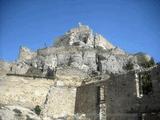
(17, 113)
(19, 68)
(109, 63)
(89, 59)
(26, 92)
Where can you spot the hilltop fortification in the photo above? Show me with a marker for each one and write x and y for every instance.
(81, 76)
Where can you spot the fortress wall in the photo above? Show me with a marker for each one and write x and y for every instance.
(155, 76)
(151, 102)
(47, 51)
(62, 56)
(26, 54)
(121, 98)
(57, 50)
(87, 101)
(71, 56)
(122, 101)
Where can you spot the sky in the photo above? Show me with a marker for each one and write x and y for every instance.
(133, 25)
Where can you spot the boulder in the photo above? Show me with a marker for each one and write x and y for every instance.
(19, 68)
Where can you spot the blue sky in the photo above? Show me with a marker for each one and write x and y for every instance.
(133, 25)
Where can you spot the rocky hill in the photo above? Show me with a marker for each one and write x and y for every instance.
(79, 56)
(79, 48)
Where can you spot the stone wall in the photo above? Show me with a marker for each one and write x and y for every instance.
(123, 102)
(155, 76)
(46, 51)
(121, 97)
(60, 102)
(82, 59)
(87, 101)
(151, 102)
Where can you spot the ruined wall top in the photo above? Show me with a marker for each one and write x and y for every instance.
(83, 36)
(25, 53)
(80, 28)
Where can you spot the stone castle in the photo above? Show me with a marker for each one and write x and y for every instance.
(82, 76)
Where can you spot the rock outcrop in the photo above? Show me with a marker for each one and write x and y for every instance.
(81, 48)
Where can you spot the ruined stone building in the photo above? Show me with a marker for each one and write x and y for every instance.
(82, 76)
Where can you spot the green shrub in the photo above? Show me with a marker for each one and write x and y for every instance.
(148, 64)
(146, 83)
(18, 112)
(37, 109)
(128, 66)
(158, 63)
